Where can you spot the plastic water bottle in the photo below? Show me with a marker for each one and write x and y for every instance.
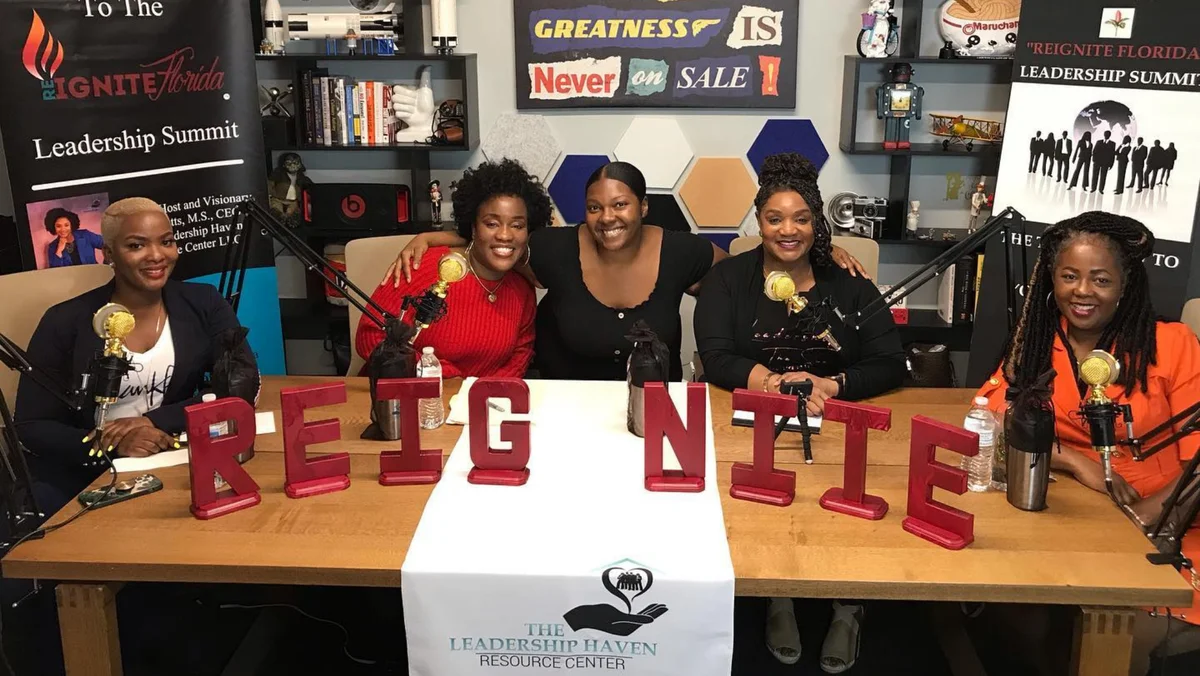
(433, 412)
(979, 468)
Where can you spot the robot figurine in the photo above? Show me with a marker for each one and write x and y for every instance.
(898, 102)
(435, 200)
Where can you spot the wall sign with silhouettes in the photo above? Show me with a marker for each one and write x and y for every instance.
(1094, 124)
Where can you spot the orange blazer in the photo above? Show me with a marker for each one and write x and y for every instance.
(1173, 384)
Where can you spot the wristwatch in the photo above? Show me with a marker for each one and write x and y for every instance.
(840, 379)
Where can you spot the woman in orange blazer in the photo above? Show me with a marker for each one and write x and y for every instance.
(1089, 291)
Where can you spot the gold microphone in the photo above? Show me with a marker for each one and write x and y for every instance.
(431, 306)
(779, 287)
(113, 323)
(1098, 370)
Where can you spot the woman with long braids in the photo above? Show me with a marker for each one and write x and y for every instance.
(748, 340)
(1089, 291)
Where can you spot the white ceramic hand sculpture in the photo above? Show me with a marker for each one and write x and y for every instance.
(414, 106)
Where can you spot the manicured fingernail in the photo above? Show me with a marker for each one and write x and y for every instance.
(109, 449)
(86, 439)
(177, 444)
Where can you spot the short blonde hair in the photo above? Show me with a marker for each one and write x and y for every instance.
(118, 211)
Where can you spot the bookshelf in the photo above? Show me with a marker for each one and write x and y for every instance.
(858, 75)
(454, 76)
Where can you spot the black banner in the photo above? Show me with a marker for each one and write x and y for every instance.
(107, 99)
(1097, 121)
(682, 54)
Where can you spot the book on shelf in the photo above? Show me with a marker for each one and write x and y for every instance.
(342, 111)
(956, 291)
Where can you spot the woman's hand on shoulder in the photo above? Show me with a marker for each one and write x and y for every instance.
(408, 260)
(845, 261)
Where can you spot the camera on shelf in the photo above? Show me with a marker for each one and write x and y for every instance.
(854, 215)
(869, 214)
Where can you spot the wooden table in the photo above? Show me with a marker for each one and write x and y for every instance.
(1081, 551)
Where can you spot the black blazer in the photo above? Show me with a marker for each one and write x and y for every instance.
(64, 344)
(872, 358)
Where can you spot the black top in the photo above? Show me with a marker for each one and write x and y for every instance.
(737, 327)
(580, 338)
(64, 344)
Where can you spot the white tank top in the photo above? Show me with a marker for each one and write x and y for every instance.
(143, 388)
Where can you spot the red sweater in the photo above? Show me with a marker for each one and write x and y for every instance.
(475, 337)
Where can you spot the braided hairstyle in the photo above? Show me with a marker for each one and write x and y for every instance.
(1129, 336)
(793, 172)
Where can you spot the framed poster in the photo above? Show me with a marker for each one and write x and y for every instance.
(633, 53)
(1098, 120)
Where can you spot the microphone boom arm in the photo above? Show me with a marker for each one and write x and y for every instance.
(1001, 221)
(233, 274)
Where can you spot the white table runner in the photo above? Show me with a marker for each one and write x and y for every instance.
(580, 570)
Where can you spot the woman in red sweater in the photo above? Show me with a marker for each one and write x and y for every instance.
(488, 326)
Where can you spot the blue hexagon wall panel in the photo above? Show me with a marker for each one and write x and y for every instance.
(788, 136)
(567, 186)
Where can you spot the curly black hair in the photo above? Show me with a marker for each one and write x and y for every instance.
(793, 172)
(57, 213)
(1130, 336)
(490, 179)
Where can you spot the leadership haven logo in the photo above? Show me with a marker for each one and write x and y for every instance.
(627, 584)
(1117, 23)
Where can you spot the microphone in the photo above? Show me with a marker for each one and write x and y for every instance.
(113, 323)
(430, 306)
(780, 288)
(1099, 370)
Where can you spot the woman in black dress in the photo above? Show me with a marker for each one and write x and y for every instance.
(1083, 160)
(602, 276)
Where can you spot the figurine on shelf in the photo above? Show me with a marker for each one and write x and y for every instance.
(879, 37)
(898, 102)
(265, 47)
(351, 42)
(948, 51)
(979, 200)
(285, 185)
(914, 217)
(435, 200)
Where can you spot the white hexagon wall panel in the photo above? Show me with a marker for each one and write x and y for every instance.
(657, 146)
